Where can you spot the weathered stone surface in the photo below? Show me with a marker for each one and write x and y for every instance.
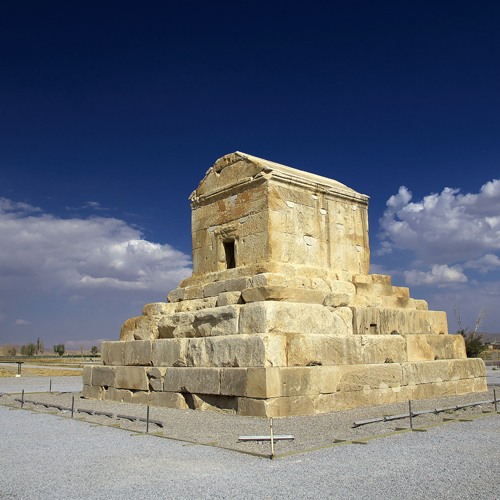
(229, 298)
(112, 353)
(310, 350)
(155, 378)
(371, 320)
(140, 328)
(87, 375)
(131, 377)
(93, 392)
(282, 293)
(103, 376)
(158, 308)
(430, 347)
(266, 317)
(137, 353)
(167, 399)
(201, 323)
(192, 380)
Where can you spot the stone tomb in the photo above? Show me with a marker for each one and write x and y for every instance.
(280, 316)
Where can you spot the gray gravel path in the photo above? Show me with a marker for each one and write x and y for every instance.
(40, 384)
(43, 457)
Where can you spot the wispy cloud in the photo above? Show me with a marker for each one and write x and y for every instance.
(42, 255)
(22, 322)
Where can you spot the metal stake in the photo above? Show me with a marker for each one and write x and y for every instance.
(272, 440)
(72, 405)
(147, 420)
(495, 398)
(411, 414)
(50, 385)
(22, 399)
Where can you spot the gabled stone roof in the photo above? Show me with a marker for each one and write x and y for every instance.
(213, 180)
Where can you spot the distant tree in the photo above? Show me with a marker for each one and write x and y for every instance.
(9, 350)
(82, 346)
(28, 350)
(94, 351)
(59, 349)
(41, 348)
(473, 340)
(38, 345)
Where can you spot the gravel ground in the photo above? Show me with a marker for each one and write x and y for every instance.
(224, 429)
(42, 457)
(40, 384)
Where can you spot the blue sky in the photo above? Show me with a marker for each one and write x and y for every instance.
(111, 113)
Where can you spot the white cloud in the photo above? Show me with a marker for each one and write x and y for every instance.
(443, 228)
(440, 275)
(39, 251)
(22, 322)
(488, 262)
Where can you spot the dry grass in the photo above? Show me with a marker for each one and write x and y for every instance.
(8, 371)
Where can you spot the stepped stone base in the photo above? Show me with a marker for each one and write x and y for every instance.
(280, 316)
(273, 391)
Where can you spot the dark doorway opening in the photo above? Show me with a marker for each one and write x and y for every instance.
(230, 256)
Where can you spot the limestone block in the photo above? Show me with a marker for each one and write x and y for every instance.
(166, 352)
(93, 392)
(381, 279)
(304, 380)
(361, 377)
(176, 295)
(253, 407)
(103, 376)
(426, 372)
(209, 402)
(158, 308)
(366, 320)
(140, 397)
(112, 353)
(232, 285)
(229, 298)
(421, 305)
(428, 347)
(137, 353)
(196, 304)
(370, 289)
(193, 380)
(87, 375)
(168, 400)
(338, 299)
(250, 382)
(140, 328)
(386, 321)
(121, 395)
(413, 321)
(202, 323)
(155, 377)
(281, 293)
(234, 381)
(257, 350)
(186, 293)
(295, 405)
(266, 317)
(311, 350)
(466, 368)
(131, 377)
(439, 389)
(339, 401)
